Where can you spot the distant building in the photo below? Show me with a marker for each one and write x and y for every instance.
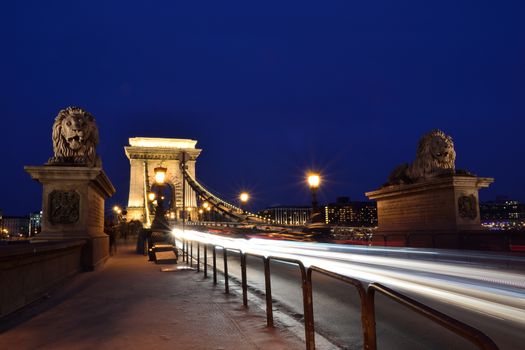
(350, 213)
(502, 213)
(15, 225)
(35, 223)
(287, 215)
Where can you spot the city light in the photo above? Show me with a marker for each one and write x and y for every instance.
(151, 196)
(205, 205)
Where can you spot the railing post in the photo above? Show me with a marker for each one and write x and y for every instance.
(243, 280)
(267, 283)
(214, 265)
(205, 260)
(226, 283)
(182, 248)
(191, 253)
(308, 306)
(198, 257)
(370, 341)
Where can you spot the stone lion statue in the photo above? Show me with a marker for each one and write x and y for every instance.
(435, 157)
(75, 137)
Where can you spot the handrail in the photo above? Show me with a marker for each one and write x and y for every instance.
(462, 329)
(366, 296)
(366, 324)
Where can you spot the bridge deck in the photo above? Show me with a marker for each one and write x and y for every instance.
(131, 304)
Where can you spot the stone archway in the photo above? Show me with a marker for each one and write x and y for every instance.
(145, 154)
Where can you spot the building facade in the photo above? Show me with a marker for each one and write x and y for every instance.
(35, 223)
(287, 215)
(15, 226)
(502, 213)
(351, 213)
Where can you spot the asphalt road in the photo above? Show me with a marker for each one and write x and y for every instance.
(337, 308)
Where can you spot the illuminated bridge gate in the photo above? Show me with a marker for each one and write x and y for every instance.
(145, 154)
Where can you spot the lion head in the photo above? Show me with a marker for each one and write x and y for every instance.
(435, 156)
(75, 137)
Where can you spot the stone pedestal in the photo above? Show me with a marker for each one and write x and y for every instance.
(440, 205)
(73, 208)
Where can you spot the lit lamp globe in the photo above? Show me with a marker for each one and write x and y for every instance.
(244, 197)
(160, 174)
(205, 205)
(151, 196)
(314, 180)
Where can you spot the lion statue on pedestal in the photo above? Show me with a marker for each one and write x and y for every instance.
(435, 157)
(75, 137)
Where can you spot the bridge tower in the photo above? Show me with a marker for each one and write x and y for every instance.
(145, 154)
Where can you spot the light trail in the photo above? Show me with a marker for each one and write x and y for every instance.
(497, 293)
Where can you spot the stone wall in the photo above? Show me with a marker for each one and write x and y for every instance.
(29, 271)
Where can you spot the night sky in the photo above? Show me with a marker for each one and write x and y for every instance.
(269, 90)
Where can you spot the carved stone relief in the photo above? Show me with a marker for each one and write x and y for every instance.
(468, 207)
(64, 207)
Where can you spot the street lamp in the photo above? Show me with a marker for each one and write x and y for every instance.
(208, 209)
(159, 221)
(151, 196)
(244, 199)
(117, 211)
(314, 179)
(160, 174)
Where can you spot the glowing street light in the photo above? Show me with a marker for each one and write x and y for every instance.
(314, 179)
(159, 221)
(205, 205)
(160, 174)
(244, 197)
(151, 196)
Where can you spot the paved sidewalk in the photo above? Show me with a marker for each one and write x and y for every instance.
(131, 304)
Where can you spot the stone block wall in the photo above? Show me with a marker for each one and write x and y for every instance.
(29, 271)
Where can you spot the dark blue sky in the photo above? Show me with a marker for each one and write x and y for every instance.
(269, 90)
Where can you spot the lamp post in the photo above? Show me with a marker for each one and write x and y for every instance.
(151, 196)
(314, 180)
(206, 207)
(243, 197)
(118, 213)
(159, 221)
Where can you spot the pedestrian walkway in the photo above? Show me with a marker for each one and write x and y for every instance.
(131, 304)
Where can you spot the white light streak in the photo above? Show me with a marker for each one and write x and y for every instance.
(496, 292)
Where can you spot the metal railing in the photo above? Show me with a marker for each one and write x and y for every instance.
(366, 297)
